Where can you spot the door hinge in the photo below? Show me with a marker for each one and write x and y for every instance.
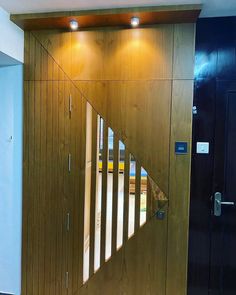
(67, 280)
(68, 221)
(70, 104)
(69, 162)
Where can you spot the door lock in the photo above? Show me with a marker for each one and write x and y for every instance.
(160, 214)
(218, 203)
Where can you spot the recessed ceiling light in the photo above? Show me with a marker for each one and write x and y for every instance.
(134, 21)
(74, 25)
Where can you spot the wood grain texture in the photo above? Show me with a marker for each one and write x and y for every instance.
(119, 273)
(78, 134)
(130, 70)
(109, 17)
(26, 56)
(140, 82)
(53, 288)
(81, 177)
(184, 48)
(112, 54)
(129, 101)
(179, 192)
(48, 137)
(149, 208)
(40, 223)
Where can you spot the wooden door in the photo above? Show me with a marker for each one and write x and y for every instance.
(223, 235)
(80, 88)
(212, 233)
(220, 268)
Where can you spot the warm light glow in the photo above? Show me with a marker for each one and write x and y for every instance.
(74, 25)
(134, 21)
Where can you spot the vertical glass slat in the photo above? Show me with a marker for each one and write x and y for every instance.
(88, 171)
(98, 199)
(143, 197)
(109, 193)
(94, 185)
(132, 180)
(104, 192)
(120, 195)
(126, 196)
(137, 196)
(115, 192)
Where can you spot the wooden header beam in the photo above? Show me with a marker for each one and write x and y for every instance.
(119, 17)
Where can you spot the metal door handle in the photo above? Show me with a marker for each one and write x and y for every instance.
(218, 203)
(225, 203)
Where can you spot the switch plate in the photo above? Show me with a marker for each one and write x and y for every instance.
(181, 147)
(202, 148)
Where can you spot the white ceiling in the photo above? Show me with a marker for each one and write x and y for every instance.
(210, 7)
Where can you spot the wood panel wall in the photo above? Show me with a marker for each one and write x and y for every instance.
(140, 81)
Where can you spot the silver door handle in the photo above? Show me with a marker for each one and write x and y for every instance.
(225, 203)
(218, 203)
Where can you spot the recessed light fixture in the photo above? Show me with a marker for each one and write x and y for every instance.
(134, 21)
(74, 25)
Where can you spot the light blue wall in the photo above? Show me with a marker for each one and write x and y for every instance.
(11, 114)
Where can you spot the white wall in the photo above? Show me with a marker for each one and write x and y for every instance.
(11, 141)
(11, 37)
(11, 114)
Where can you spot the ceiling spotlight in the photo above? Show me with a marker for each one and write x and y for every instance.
(134, 21)
(74, 25)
